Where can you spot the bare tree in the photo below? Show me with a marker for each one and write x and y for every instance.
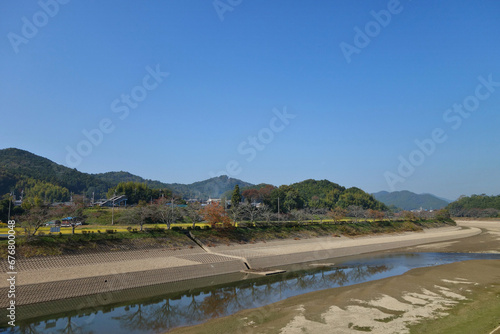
(236, 212)
(137, 215)
(299, 215)
(337, 214)
(356, 212)
(267, 214)
(193, 213)
(250, 211)
(166, 213)
(36, 218)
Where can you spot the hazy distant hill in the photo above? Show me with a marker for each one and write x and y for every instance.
(408, 200)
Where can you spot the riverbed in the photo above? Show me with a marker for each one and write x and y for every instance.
(223, 296)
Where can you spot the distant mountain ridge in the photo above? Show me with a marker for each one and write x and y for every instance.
(213, 187)
(408, 200)
(19, 165)
(19, 169)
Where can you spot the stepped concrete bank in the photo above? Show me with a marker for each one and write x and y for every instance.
(60, 277)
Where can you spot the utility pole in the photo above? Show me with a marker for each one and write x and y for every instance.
(278, 208)
(10, 202)
(172, 210)
(113, 213)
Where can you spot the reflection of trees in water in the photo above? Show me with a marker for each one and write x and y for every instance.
(215, 304)
(194, 308)
(164, 315)
(27, 329)
(70, 327)
(135, 319)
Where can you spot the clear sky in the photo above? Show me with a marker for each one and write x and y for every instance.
(382, 95)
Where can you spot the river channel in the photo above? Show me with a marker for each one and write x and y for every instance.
(161, 308)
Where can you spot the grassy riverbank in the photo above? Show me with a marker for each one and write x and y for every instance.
(115, 240)
(267, 232)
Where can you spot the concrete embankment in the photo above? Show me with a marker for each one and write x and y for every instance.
(59, 277)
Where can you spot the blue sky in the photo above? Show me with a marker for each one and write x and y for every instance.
(265, 91)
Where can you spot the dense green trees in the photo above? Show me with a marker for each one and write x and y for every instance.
(357, 197)
(236, 196)
(287, 197)
(4, 209)
(319, 195)
(17, 165)
(475, 206)
(138, 192)
(48, 192)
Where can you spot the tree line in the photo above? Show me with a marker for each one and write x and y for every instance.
(476, 206)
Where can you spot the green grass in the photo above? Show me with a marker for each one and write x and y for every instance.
(106, 238)
(285, 230)
(480, 314)
(59, 244)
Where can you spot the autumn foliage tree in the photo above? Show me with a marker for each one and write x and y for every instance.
(337, 215)
(214, 213)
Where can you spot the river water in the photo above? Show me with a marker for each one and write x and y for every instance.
(158, 309)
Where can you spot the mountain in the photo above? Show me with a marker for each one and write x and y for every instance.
(213, 187)
(408, 200)
(113, 178)
(20, 168)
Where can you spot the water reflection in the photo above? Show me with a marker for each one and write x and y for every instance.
(199, 305)
(164, 312)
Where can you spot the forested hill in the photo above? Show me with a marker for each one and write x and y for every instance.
(312, 194)
(213, 187)
(21, 169)
(114, 178)
(326, 194)
(475, 206)
(39, 177)
(408, 200)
